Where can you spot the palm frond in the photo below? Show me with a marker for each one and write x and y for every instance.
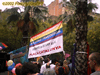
(36, 10)
(35, 22)
(12, 17)
(12, 10)
(92, 6)
(26, 10)
(43, 7)
(70, 5)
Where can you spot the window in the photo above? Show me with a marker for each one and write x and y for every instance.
(60, 1)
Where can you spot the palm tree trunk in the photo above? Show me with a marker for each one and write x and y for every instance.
(81, 38)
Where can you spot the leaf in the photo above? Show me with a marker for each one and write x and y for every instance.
(90, 18)
(92, 6)
(12, 17)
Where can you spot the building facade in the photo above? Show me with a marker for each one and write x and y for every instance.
(31, 10)
(56, 8)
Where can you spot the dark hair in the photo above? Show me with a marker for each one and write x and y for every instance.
(70, 60)
(46, 60)
(54, 61)
(18, 70)
(61, 70)
(61, 63)
(29, 67)
(95, 56)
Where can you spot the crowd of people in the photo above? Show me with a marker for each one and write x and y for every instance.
(44, 67)
(55, 67)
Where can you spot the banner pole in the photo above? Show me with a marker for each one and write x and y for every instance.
(27, 47)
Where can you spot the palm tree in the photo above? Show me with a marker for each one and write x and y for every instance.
(71, 5)
(38, 13)
(69, 19)
(81, 37)
(14, 14)
(80, 22)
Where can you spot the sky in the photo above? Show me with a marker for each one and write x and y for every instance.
(47, 2)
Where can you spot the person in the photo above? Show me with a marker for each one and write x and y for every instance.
(66, 68)
(48, 58)
(18, 70)
(40, 61)
(70, 67)
(48, 68)
(29, 69)
(94, 62)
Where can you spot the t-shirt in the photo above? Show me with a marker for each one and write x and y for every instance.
(95, 73)
(43, 67)
(49, 70)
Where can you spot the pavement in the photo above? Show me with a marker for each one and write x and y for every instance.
(5, 73)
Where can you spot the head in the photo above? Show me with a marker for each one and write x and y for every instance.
(46, 60)
(48, 57)
(61, 63)
(29, 69)
(18, 70)
(70, 60)
(65, 62)
(61, 70)
(94, 60)
(54, 61)
(41, 60)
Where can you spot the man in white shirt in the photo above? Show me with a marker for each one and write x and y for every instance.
(47, 62)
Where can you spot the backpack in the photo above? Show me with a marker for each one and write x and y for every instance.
(49, 71)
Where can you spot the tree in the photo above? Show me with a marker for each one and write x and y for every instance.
(93, 34)
(8, 35)
(14, 14)
(24, 27)
(81, 37)
(70, 18)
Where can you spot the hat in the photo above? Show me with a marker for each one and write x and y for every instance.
(9, 63)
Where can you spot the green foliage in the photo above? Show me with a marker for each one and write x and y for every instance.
(90, 18)
(73, 1)
(8, 34)
(68, 39)
(92, 6)
(93, 34)
(42, 25)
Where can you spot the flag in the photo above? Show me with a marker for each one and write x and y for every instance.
(19, 54)
(67, 55)
(47, 42)
(3, 46)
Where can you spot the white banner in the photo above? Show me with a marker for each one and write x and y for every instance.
(47, 42)
(46, 48)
